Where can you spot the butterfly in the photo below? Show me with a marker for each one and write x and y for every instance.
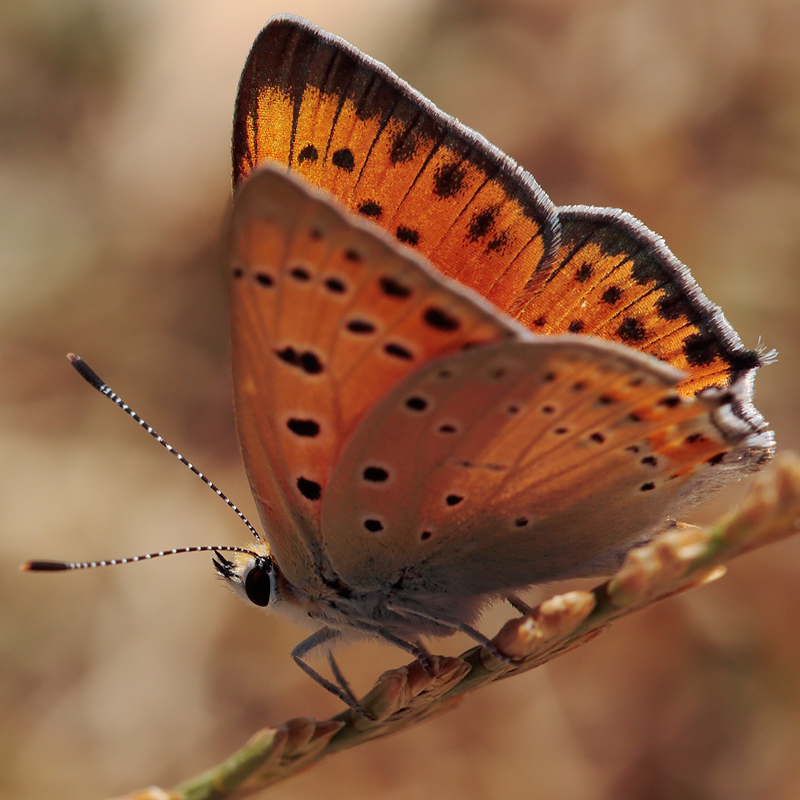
(447, 389)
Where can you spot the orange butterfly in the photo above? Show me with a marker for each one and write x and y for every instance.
(416, 447)
(414, 450)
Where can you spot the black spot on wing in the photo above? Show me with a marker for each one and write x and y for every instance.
(311, 490)
(303, 427)
(308, 153)
(375, 474)
(360, 326)
(584, 272)
(407, 235)
(700, 349)
(306, 361)
(482, 223)
(448, 179)
(416, 403)
(498, 244)
(264, 279)
(343, 159)
(440, 320)
(398, 351)
(631, 330)
(394, 288)
(335, 285)
(369, 208)
(612, 295)
(310, 363)
(300, 274)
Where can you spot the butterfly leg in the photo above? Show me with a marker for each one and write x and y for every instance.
(423, 649)
(519, 605)
(456, 626)
(340, 679)
(317, 639)
(415, 648)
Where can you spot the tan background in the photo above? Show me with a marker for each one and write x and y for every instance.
(114, 176)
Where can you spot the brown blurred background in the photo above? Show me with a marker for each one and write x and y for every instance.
(114, 177)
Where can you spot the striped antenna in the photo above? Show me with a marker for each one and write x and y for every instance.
(62, 566)
(91, 377)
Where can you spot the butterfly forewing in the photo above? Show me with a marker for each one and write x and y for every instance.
(312, 102)
(327, 315)
(615, 279)
(560, 451)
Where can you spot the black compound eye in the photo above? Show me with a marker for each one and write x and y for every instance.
(258, 585)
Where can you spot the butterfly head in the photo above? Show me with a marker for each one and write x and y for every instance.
(252, 575)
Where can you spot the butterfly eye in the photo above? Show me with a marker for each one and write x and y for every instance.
(258, 582)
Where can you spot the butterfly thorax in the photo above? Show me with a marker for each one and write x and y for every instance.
(394, 609)
(402, 609)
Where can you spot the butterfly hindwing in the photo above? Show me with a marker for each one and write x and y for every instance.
(559, 451)
(312, 102)
(327, 315)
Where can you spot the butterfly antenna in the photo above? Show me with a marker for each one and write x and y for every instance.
(61, 566)
(91, 377)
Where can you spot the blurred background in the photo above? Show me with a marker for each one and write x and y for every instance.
(114, 178)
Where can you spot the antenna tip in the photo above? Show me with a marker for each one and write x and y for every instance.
(45, 566)
(86, 372)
